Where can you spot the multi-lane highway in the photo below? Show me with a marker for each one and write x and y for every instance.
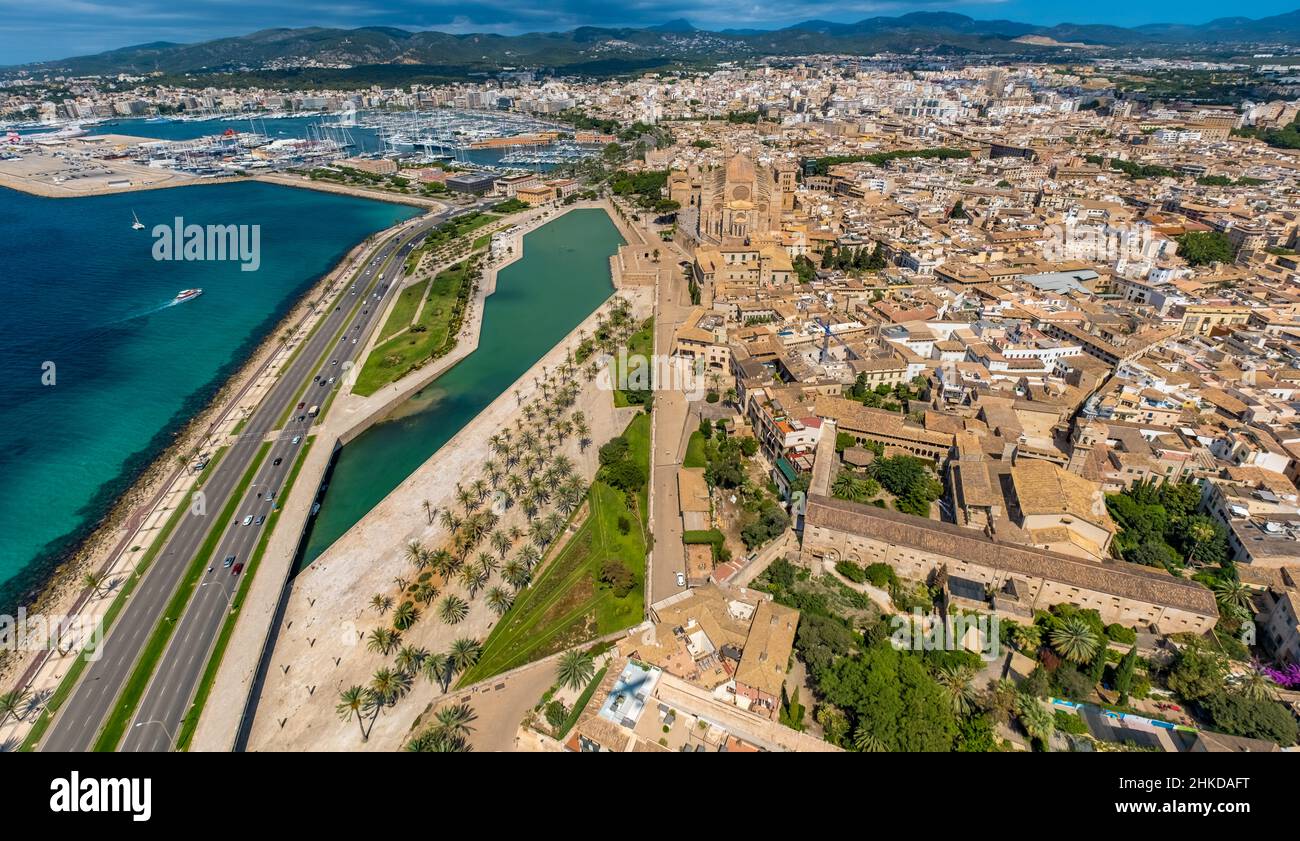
(160, 712)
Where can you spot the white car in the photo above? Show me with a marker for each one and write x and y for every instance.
(296, 439)
(248, 521)
(681, 579)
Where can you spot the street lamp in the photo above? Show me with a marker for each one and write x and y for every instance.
(171, 740)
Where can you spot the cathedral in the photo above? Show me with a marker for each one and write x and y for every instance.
(733, 203)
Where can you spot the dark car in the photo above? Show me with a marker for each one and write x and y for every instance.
(237, 569)
(277, 461)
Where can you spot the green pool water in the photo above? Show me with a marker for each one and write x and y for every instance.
(562, 278)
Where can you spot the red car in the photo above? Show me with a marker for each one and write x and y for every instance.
(236, 569)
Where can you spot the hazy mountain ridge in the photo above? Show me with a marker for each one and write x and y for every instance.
(673, 40)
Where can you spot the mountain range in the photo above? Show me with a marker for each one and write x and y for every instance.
(675, 40)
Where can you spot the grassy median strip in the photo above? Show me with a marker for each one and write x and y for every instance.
(191, 721)
(138, 681)
(343, 295)
(69, 682)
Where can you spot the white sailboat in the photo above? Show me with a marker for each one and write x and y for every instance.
(137, 224)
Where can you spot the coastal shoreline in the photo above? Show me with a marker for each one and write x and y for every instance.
(35, 187)
(61, 590)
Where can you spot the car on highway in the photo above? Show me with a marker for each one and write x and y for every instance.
(681, 579)
(300, 405)
(248, 521)
(230, 559)
(334, 362)
(238, 568)
(296, 439)
(260, 519)
(278, 461)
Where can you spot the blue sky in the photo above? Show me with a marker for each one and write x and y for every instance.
(35, 30)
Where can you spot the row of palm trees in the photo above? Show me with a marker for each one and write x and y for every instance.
(388, 685)
(483, 554)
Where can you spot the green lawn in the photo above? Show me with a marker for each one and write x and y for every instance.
(133, 691)
(567, 604)
(640, 343)
(191, 721)
(695, 451)
(432, 336)
(404, 310)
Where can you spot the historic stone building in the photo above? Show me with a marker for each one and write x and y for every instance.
(1009, 579)
(731, 203)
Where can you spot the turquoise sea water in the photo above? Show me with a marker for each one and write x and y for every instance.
(561, 278)
(80, 289)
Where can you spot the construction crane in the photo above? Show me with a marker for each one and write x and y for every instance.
(827, 335)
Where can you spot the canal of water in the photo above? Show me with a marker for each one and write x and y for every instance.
(562, 277)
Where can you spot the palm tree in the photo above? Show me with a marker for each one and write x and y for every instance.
(1198, 531)
(381, 603)
(428, 510)
(405, 616)
(455, 719)
(452, 609)
(515, 573)
(383, 641)
(388, 685)
(414, 551)
(409, 658)
(500, 542)
(437, 669)
(499, 599)
(1257, 687)
(488, 562)
(438, 741)
(442, 563)
(1027, 637)
(12, 702)
(464, 653)
(1232, 595)
(425, 593)
(849, 487)
(353, 701)
(449, 520)
(528, 555)
(575, 669)
(1074, 640)
(866, 741)
(1037, 720)
(474, 578)
(956, 681)
(93, 581)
